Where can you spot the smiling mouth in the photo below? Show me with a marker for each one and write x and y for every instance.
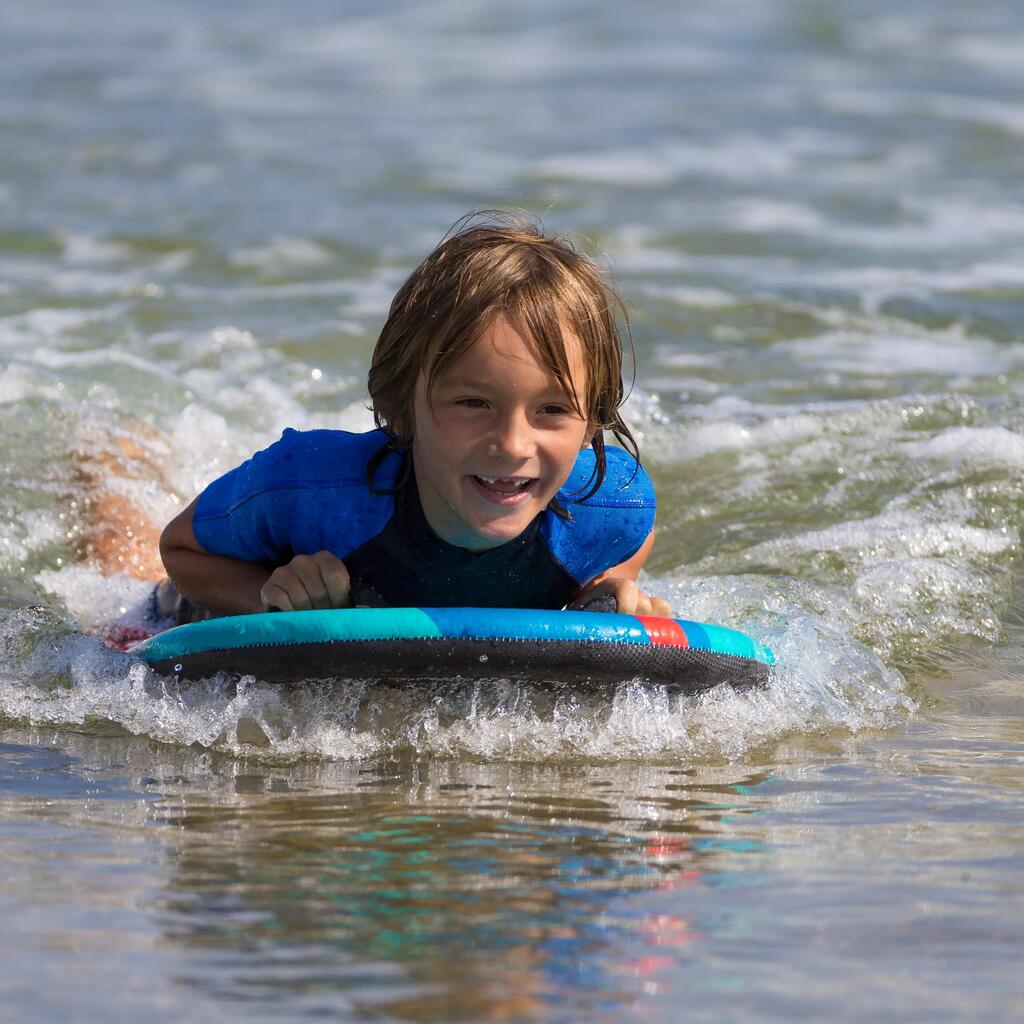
(503, 489)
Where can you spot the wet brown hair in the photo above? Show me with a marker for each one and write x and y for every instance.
(489, 264)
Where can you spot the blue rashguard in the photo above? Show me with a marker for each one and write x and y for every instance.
(308, 492)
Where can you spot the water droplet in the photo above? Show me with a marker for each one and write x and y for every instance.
(177, 668)
(483, 657)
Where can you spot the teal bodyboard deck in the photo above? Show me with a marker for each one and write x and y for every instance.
(410, 644)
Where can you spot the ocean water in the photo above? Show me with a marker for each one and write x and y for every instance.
(815, 213)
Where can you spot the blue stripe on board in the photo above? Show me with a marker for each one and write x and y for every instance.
(696, 634)
(721, 640)
(531, 624)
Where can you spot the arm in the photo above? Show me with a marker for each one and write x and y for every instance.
(620, 582)
(237, 588)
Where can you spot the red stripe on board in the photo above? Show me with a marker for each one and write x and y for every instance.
(664, 632)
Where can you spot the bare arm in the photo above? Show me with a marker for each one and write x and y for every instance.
(620, 582)
(215, 581)
(235, 587)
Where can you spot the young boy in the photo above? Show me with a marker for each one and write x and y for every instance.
(487, 481)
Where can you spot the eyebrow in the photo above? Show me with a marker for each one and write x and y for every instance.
(472, 384)
(465, 382)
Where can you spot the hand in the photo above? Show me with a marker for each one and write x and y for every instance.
(628, 595)
(307, 581)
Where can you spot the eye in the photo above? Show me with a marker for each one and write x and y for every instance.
(556, 410)
(471, 403)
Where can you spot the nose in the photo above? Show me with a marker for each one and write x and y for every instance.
(513, 437)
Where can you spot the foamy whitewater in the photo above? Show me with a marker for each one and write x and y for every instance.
(902, 543)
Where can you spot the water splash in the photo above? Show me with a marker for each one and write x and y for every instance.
(55, 675)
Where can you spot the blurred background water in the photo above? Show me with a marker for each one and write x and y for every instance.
(815, 212)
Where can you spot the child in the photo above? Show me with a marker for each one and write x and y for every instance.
(487, 481)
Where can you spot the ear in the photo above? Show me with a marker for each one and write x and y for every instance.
(588, 437)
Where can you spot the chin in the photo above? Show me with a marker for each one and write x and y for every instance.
(501, 531)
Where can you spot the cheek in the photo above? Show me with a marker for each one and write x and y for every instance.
(440, 441)
(452, 430)
(570, 446)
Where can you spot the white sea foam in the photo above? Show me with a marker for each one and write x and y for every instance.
(885, 537)
(741, 158)
(51, 323)
(203, 447)
(32, 531)
(947, 352)
(91, 249)
(96, 600)
(355, 417)
(916, 605)
(281, 255)
(926, 223)
(729, 423)
(907, 35)
(102, 359)
(699, 298)
(235, 90)
(613, 167)
(823, 681)
(768, 215)
(991, 53)
(16, 384)
(980, 447)
(879, 283)
(902, 107)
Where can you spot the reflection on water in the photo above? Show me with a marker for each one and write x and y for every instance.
(493, 905)
(421, 890)
(493, 897)
(424, 890)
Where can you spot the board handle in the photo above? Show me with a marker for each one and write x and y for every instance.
(605, 603)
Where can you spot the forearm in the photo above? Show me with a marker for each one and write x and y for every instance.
(216, 582)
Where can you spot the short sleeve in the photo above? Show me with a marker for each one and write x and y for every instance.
(305, 493)
(610, 526)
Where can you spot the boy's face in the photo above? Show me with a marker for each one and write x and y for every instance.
(497, 438)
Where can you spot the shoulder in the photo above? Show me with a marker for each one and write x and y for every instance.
(324, 458)
(609, 526)
(306, 460)
(625, 485)
(306, 491)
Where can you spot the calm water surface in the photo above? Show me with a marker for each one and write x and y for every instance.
(815, 212)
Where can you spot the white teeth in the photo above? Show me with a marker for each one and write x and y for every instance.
(520, 483)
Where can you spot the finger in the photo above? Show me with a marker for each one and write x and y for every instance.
(307, 572)
(659, 606)
(288, 581)
(336, 579)
(274, 598)
(628, 595)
